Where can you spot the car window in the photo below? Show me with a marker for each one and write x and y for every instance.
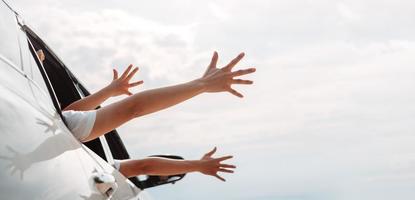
(43, 96)
(33, 68)
(68, 89)
(9, 48)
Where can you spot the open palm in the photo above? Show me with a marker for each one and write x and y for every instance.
(121, 85)
(212, 166)
(221, 79)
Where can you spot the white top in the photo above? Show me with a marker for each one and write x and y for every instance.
(80, 123)
(117, 164)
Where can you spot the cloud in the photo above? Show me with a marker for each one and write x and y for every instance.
(96, 41)
(347, 13)
(329, 117)
(341, 112)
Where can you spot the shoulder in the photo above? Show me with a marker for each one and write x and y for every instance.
(80, 123)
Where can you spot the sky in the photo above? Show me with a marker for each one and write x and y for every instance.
(330, 115)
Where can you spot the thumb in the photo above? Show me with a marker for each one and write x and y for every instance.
(213, 61)
(115, 74)
(210, 153)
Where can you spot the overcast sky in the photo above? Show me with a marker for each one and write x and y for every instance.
(330, 116)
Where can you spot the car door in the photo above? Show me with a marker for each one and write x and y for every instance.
(42, 160)
(38, 157)
(93, 165)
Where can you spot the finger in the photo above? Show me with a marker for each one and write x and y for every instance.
(220, 178)
(40, 55)
(240, 81)
(234, 61)
(243, 72)
(227, 166)
(132, 74)
(136, 83)
(129, 93)
(125, 73)
(114, 71)
(236, 93)
(214, 60)
(225, 170)
(210, 153)
(223, 158)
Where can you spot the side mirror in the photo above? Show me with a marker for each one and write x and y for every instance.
(152, 181)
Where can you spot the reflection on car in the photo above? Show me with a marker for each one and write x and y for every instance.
(40, 157)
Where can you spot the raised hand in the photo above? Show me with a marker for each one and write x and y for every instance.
(121, 85)
(211, 166)
(221, 79)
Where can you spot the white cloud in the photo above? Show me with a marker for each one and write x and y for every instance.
(96, 41)
(219, 12)
(347, 13)
(330, 115)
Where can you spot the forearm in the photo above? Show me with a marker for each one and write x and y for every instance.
(161, 98)
(90, 102)
(158, 166)
(118, 113)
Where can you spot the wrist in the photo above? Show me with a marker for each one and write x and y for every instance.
(201, 165)
(200, 84)
(108, 91)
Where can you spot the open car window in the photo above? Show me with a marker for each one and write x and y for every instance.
(67, 89)
(38, 84)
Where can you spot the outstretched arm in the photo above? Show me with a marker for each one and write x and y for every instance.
(118, 86)
(143, 103)
(165, 167)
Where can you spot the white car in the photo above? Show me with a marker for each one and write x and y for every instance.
(39, 157)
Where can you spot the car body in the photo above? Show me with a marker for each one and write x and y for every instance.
(39, 157)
